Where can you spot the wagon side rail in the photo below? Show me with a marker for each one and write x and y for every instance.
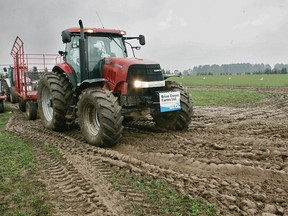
(28, 68)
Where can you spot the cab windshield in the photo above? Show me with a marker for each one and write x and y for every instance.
(99, 47)
(104, 47)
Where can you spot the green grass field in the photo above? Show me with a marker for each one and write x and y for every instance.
(20, 192)
(230, 96)
(263, 80)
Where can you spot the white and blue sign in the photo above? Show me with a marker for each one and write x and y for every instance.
(169, 101)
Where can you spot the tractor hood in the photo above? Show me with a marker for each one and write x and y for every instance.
(125, 63)
(122, 73)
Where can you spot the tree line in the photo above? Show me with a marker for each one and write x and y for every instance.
(235, 68)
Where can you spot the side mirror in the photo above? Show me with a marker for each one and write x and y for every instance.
(142, 40)
(66, 36)
(62, 53)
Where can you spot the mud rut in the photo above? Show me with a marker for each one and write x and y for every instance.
(236, 158)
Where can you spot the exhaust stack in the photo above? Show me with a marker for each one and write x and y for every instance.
(83, 53)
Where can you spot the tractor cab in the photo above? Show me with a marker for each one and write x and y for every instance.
(87, 48)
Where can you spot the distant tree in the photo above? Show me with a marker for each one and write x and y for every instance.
(188, 72)
(284, 70)
(167, 72)
(235, 68)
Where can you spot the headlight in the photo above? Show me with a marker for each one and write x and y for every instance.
(140, 84)
(153, 84)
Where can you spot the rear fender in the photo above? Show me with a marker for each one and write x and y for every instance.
(99, 82)
(68, 70)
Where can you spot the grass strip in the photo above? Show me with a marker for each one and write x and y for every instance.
(20, 192)
(230, 98)
(260, 80)
(161, 198)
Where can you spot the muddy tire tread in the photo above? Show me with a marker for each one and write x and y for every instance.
(57, 84)
(110, 114)
(177, 120)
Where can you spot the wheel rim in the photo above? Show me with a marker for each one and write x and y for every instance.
(91, 117)
(47, 106)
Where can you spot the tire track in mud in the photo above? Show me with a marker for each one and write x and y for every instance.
(72, 189)
(213, 160)
(222, 147)
(230, 142)
(79, 187)
(70, 193)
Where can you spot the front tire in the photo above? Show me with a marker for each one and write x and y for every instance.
(175, 120)
(99, 117)
(53, 101)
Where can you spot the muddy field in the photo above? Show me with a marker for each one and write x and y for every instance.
(236, 158)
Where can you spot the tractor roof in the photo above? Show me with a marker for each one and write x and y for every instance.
(96, 30)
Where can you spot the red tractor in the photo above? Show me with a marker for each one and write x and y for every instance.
(97, 86)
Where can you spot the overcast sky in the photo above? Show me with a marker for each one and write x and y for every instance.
(180, 34)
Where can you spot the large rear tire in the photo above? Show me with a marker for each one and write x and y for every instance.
(54, 95)
(99, 117)
(176, 120)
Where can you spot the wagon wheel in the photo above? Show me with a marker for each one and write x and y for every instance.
(1, 106)
(31, 110)
(22, 104)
